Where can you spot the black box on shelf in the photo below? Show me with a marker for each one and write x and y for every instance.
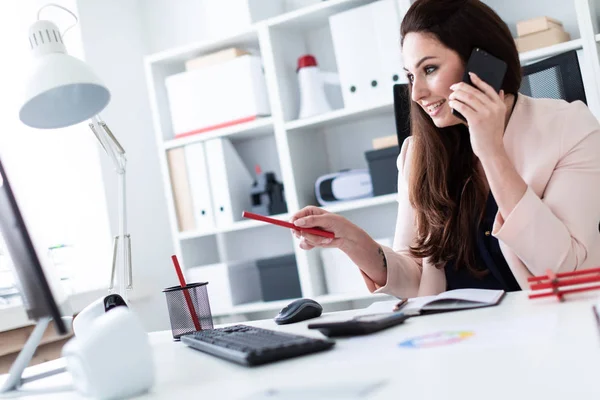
(383, 169)
(279, 278)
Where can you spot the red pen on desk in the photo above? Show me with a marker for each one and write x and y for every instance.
(285, 224)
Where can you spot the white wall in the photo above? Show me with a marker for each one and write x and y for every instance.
(169, 23)
(114, 45)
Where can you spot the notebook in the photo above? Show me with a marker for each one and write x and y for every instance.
(452, 300)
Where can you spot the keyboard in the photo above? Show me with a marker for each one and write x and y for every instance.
(248, 345)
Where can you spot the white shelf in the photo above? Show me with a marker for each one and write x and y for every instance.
(279, 304)
(187, 235)
(248, 224)
(362, 203)
(260, 127)
(236, 226)
(341, 116)
(313, 15)
(336, 208)
(597, 37)
(246, 37)
(549, 51)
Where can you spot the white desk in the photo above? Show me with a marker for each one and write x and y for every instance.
(534, 349)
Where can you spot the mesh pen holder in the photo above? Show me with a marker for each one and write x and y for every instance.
(179, 312)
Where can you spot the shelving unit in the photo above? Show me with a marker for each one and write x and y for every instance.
(246, 37)
(340, 116)
(313, 15)
(257, 128)
(538, 54)
(302, 150)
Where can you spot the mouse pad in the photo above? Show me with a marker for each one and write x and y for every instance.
(345, 390)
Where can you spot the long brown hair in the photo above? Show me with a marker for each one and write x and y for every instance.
(447, 190)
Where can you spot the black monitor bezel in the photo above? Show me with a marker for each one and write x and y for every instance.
(50, 308)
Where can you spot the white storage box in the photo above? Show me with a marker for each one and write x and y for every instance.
(366, 43)
(229, 284)
(341, 274)
(217, 96)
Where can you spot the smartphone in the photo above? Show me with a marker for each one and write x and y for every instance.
(285, 224)
(361, 325)
(489, 68)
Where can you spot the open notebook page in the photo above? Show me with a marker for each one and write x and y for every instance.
(451, 300)
(413, 304)
(463, 298)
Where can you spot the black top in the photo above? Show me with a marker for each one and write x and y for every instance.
(489, 257)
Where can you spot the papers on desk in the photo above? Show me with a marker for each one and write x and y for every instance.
(335, 391)
(452, 300)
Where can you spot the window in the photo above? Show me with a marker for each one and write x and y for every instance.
(55, 174)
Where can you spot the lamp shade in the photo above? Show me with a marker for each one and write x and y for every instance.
(62, 90)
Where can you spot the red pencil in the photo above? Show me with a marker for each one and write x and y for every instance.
(285, 224)
(188, 298)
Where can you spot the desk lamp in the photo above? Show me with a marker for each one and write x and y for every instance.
(63, 91)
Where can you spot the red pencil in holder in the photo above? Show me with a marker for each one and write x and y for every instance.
(188, 298)
(563, 283)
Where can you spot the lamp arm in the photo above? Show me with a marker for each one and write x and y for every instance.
(109, 143)
(116, 153)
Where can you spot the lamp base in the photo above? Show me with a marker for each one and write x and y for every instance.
(114, 349)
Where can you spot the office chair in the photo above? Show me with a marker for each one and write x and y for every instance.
(557, 77)
(402, 111)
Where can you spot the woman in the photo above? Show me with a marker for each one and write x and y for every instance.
(509, 194)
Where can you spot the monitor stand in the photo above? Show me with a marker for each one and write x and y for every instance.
(15, 375)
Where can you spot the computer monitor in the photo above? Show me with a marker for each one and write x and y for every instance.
(38, 299)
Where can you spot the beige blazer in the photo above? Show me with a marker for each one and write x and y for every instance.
(555, 147)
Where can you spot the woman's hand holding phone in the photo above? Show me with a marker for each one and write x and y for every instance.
(485, 112)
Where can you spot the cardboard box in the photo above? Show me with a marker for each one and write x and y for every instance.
(541, 39)
(538, 24)
(215, 58)
(384, 142)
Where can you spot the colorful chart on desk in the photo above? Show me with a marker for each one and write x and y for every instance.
(436, 339)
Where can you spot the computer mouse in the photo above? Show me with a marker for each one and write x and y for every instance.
(298, 310)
